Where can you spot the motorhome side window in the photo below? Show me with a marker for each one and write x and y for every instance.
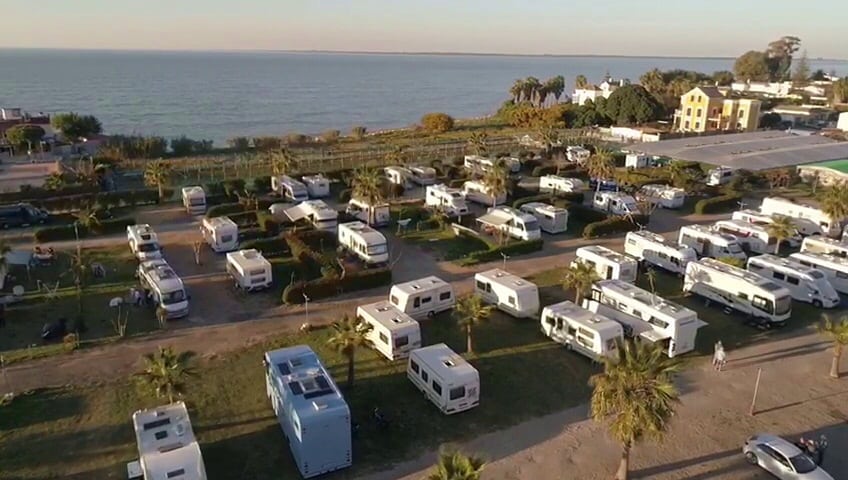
(417, 302)
(480, 285)
(778, 276)
(841, 275)
(413, 366)
(512, 300)
(402, 341)
(658, 322)
(437, 388)
(457, 393)
(426, 299)
(631, 241)
(761, 303)
(424, 376)
(743, 296)
(226, 238)
(384, 338)
(444, 296)
(394, 300)
(792, 280)
(572, 331)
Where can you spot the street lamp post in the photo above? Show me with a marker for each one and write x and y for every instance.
(505, 257)
(306, 306)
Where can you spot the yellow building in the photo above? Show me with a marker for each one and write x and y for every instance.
(706, 109)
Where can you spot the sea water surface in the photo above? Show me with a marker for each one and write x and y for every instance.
(218, 95)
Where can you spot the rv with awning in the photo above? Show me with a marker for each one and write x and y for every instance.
(450, 200)
(585, 332)
(512, 222)
(316, 212)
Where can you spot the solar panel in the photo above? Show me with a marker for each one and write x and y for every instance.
(296, 388)
(284, 368)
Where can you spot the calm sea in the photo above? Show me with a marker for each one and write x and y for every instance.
(220, 95)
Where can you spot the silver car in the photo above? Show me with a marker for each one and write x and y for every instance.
(782, 458)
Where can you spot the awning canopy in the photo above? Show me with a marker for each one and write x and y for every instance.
(654, 336)
(493, 219)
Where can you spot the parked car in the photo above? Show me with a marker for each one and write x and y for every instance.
(782, 458)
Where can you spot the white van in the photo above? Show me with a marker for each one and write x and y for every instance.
(423, 175)
(616, 203)
(423, 298)
(834, 268)
(578, 155)
(144, 243)
(708, 243)
(374, 215)
(220, 233)
(449, 200)
(555, 184)
(578, 329)
(393, 333)
(194, 200)
(316, 212)
(475, 191)
(828, 246)
(289, 188)
(808, 220)
(755, 237)
(477, 164)
(551, 219)
(758, 218)
(663, 195)
(167, 289)
(363, 241)
(720, 176)
(655, 250)
(249, 269)
(609, 264)
(445, 378)
(806, 284)
(317, 186)
(510, 293)
(514, 223)
(638, 160)
(398, 176)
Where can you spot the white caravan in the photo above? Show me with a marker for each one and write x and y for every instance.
(220, 233)
(514, 223)
(477, 164)
(374, 215)
(607, 263)
(167, 447)
(398, 176)
(508, 292)
(708, 243)
(423, 175)
(316, 212)
(555, 184)
(638, 160)
(808, 220)
(758, 218)
(249, 269)
(551, 219)
(577, 155)
(317, 186)
(655, 250)
(477, 192)
(144, 243)
(449, 200)
(289, 188)
(834, 268)
(806, 284)
(194, 200)
(588, 333)
(445, 378)
(828, 246)
(167, 289)
(751, 235)
(738, 289)
(663, 195)
(366, 243)
(645, 315)
(720, 176)
(616, 203)
(423, 298)
(393, 333)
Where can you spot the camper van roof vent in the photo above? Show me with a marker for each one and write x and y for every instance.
(415, 286)
(320, 405)
(384, 308)
(250, 254)
(398, 320)
(449, 363)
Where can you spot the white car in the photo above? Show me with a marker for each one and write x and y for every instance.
(782, 458)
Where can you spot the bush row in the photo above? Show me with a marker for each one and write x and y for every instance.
(270, 247)
(66, 232)
(543, 170)
(106, 200)
(584, 214)
(495, 253)
(718, 204)
(245, 219)
(224, 209)
(570, 197)
(330, 286)
(613, 225)
(29, 194)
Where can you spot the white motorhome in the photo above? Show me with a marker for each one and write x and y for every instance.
(512, 164)
(577, 155)
(655, 250)
(167, 289)
(751, 235)
(144, 243)
(398, 176)
(581, 330)
(393, 333)
(708, 243)
(447, 379)
(167, 447)
(758, 218)
(289, 188)
(423, 298)
(645, 315)
(423, 175)
(806, 284)
(365, 242)
(638, 160)
(249, 269)
(317, 186)
(514, 223)
(508, 292)
(317, 212)
(808, 220)
(738, 289)
(477, 164)
(555, 183)
(449, 200)
(551, 219)
(834, 268)
(616, 203)
(194, 200)
(374, 215)
(475, 191)
(607, 263)
(828, 246)
(220, 233)
(720, 176)
(663, 195)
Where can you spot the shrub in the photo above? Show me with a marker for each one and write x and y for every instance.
(584, 214)
(262, 184)
(329, 286)
(718, 204)
(212, 200)
(129, 198)
(224, 209)
(66, 232)
(437, 122)
(456, 183)
(315, 239)
(613, 225)
(344, 195)
(233, 187)
(358, 132)
(396, 190)
(214, 188)
(516, 248)
(30, 194)
(270, 247)
(251, 233)
(244, 219)
(267, 222)
(543, 170)
(542, 197)
(331, 136)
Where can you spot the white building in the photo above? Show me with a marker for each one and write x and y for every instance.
(594, 92)
(167, 447)
(509, 293)
(768, 89)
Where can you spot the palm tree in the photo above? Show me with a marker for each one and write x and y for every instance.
(165, 372)
(516, 90)
(579, 277)
(834, 202)
(397, 156)
(580, 81)
(837, 332)
(282, 161)
(454, 465)
(248, 200)
(367, 185)
(636, 395)
(157, 174)
(496, 181)
(87, 217)
(600, 166)
(781, 228)
(478, 143)
(556, 86)
(4, 249)
(470, 311)
(532, 86)
(349, 333)
(55, 181)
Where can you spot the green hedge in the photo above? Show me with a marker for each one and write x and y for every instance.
(517, 248)
(270, 247)
(262, 184)
(245, 219)
(344, 195)
(723, 203)
(570, 197)
(251, 233)
(315, 239)
(66, 232)
(224, 209)
(105, 200)
(543, 170)
(584, 214)
(330, 286)
(613, 225)
(29, 194)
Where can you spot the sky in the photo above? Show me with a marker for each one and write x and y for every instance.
(719, 28)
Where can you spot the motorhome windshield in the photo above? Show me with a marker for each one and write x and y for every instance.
(377, 249)
(783, 305)
(734, 248)
(148, 247)
(531, 225)
(171, 298)
(197, 201)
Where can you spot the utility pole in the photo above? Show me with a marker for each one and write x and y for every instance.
(756, 391)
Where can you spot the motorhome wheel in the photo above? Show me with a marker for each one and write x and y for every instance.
(751, 458)
(817, 304)
(431, 313)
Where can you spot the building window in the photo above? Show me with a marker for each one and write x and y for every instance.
(689, 112)
(384, 338)
(698, 114)
(691, 98)
(699, 99)
(741, 113)
(697, 125)
(686, 125)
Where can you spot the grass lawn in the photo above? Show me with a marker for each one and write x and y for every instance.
(83, 433)
(445, 244)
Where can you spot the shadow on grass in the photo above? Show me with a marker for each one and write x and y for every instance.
(41, 406)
